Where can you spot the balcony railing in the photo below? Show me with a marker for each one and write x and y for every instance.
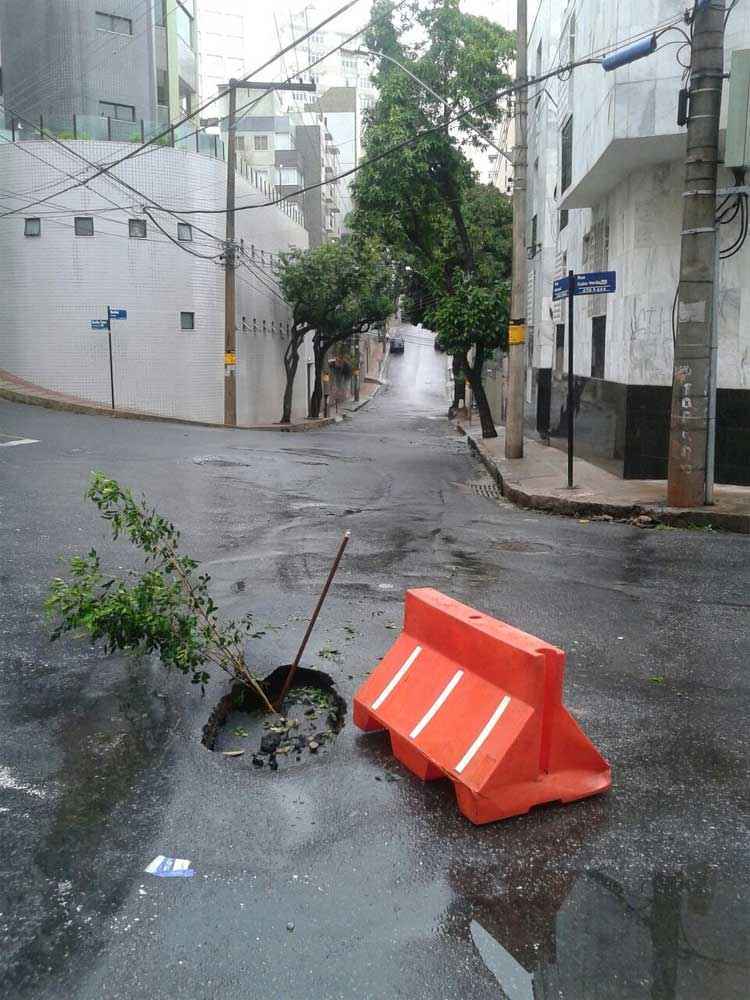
(184, 137)
(115, 130)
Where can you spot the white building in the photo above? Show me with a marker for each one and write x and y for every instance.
(606, 170)
(224, 42)
(63, 262)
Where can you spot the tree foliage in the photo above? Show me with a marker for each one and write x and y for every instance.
(167, 609)
(422, 198)
(338, 290)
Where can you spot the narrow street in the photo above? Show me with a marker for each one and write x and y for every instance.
(345, 877)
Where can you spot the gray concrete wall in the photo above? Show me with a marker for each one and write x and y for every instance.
(55, 62)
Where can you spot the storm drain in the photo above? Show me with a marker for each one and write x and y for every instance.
(485, 488)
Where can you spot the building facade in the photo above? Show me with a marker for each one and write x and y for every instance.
(605, 180)
(292, 150)
(84, 255)
(123, 60)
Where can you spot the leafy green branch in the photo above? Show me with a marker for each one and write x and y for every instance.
(166, 610)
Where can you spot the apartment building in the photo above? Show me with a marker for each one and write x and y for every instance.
(605, 180)
(122, 60)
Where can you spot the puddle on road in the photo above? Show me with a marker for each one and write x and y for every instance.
(313, 715)
(672, 935)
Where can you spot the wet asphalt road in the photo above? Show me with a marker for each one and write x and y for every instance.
(642, 893)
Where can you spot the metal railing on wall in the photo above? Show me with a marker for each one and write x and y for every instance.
(108, 129)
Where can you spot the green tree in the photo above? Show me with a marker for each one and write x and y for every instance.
(422, 198)
(339, 290)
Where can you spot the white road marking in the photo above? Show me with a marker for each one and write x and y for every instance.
(437, 704)
(7, 780)
(469, 755)
(396, 678)
(12, 444)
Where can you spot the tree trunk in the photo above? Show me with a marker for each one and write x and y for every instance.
(474, 373)
(316, 399)
(459, 382)
(291, 361)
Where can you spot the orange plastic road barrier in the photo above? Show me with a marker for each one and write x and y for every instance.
(467, 697)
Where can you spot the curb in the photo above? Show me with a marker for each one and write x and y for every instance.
(14, 395)
(671, 516)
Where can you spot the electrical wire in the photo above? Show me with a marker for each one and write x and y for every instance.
(170, 129)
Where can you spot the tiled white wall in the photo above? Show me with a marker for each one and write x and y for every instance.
(53, 286)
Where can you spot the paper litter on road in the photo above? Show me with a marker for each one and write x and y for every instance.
(170, 867)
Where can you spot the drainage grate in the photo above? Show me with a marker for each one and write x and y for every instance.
(485, 488)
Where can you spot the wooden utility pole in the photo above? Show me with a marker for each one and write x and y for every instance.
(690, 425)
(230, 282)
(517, 328)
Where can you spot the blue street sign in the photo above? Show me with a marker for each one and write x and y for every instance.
(596, 282)
(118, 314)
(99, 324)
(589, 283)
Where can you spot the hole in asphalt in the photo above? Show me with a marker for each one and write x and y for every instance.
(313, 715)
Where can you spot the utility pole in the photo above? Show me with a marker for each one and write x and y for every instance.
(517, 327)
(111, 367)
(230, 281)
(691, 425)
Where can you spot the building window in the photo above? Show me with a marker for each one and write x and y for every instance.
(122, 112)
(137, 229)
(563, 218)
(185, 232)
(566, 155)
(162, 87)
(111, 22)
(84, 225)
(559, 346)
(532, 248)
(260, 142)
(32, 227)
(598, 338)
(572, 38)
(538, 72)
(184, 24)
(187, 320)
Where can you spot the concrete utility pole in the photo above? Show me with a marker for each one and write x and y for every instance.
(690, 425)
(517, 328)
(230, 282)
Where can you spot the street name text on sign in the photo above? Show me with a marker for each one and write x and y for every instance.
(99, 324)
(589, 283)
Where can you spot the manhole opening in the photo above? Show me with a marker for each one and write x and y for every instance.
(313, 715)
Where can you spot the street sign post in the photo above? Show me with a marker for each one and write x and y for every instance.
(106, 324)
(588, 283)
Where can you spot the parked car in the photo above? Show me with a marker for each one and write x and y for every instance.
(397, 345)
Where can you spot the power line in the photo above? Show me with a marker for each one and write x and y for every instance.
(170, 129)
(592, 58)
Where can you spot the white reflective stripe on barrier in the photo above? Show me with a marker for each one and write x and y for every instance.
(469, 755)
(396, 678)
(437, 704)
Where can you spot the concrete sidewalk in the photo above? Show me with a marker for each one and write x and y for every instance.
(18, 390)
(539, 480)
